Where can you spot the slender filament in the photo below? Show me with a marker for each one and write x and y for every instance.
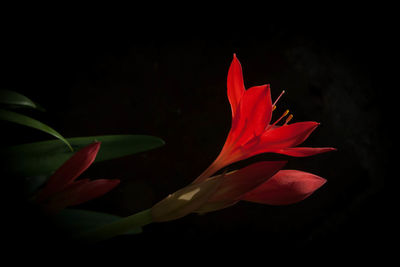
(278, 120)
(276, 101)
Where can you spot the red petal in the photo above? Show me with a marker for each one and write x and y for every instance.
(279, 138)
(79, 192)
(239, 182)
(92, 190)
(70, 170)
(63, 198)
(303, 151)
(254, 114)
(235, 84)
(288, 135)
(285, 187)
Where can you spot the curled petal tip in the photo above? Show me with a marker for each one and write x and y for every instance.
(111, 181)
(329, 149)
(116, 182)
(316, 124)
(93, 147)
(92, 150)
(266, 86)
(96, 143)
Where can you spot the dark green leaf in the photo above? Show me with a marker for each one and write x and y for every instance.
(75, 221)
(15, 99)
(43, 158)
(27, 121)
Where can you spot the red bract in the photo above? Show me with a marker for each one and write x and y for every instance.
(252, 133)
(62, 190)
(216, 192)
(238, 183)
(262, 182)
(285, 187)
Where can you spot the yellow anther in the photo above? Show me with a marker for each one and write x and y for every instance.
(278, 120)
(273, 107)
(285, 113)
(288, 119)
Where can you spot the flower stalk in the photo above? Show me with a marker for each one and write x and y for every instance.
(116, 228)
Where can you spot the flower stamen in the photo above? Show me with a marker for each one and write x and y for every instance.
(276, 101)
(283, 115)
(288, 119)
(278, 120)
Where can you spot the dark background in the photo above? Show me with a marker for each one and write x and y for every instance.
(167, 78)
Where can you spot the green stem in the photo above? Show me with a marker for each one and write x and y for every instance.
(117, 228)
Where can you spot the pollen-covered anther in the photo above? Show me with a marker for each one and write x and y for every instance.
(278, 120)
(289, 118)
(281, 117)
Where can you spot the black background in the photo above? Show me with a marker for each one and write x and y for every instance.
(166, 76)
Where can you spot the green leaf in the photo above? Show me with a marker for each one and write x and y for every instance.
(74, 221)
(44, 157)
(27, 121)
(15, 99)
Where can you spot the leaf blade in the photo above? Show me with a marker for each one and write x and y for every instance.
(8, 97)
(45, 157)
(29, 122)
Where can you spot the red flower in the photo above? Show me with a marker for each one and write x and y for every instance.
(252, 133)
(62, 190)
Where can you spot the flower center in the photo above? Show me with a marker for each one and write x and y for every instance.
(289, 118)
(280, 118)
